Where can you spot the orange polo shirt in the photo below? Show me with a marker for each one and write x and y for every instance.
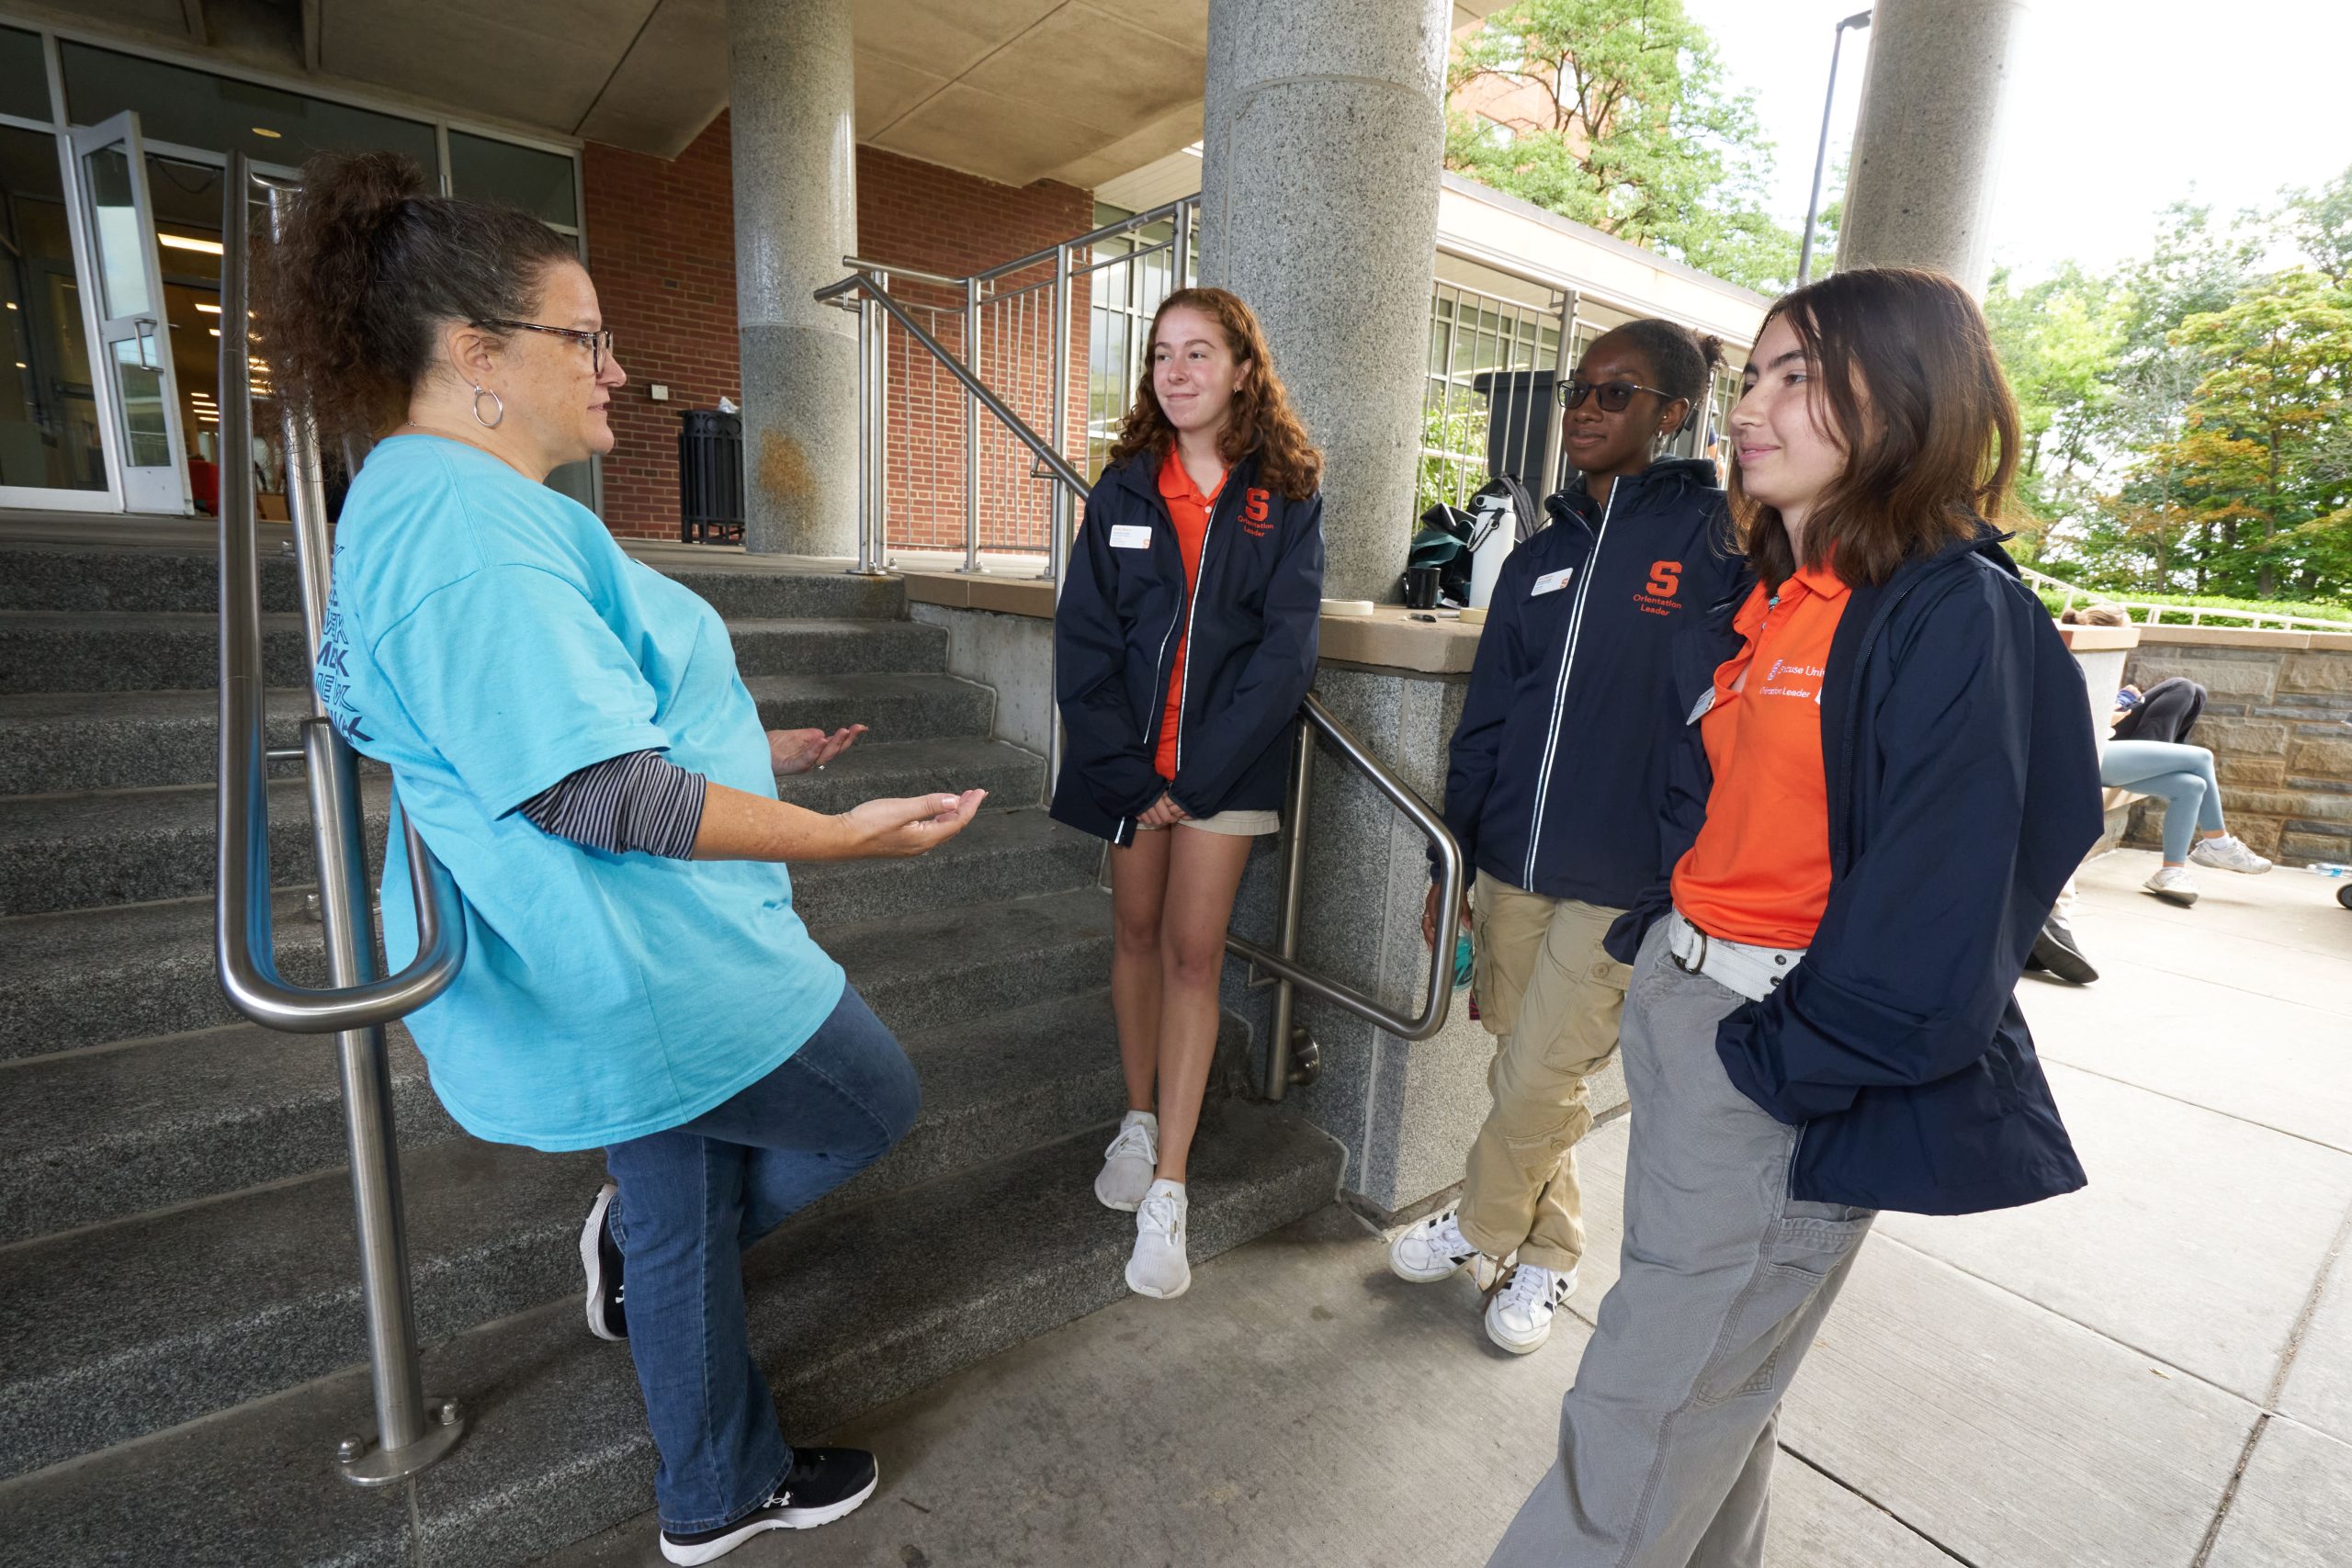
(1188, 509)
(1759, 870)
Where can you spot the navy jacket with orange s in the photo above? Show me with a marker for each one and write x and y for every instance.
(1554, 776)
(1963, 791)
(1249, 636)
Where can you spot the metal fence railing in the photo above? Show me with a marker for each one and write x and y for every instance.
(2150, 614)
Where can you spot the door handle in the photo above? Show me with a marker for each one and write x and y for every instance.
(146, 325)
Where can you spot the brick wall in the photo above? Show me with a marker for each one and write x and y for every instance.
(661, 242)
(2274, 720)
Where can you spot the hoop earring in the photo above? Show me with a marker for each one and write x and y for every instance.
(496, 403)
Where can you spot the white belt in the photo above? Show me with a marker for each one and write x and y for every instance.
(1753, 972)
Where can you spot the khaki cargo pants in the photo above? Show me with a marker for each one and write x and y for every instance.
(1551, 998)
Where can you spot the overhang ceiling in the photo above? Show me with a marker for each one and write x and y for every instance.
(1014, 91)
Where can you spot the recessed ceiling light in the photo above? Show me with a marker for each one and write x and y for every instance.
(189, 243)
(200, 305)
(214, 330)
(12, 304)
(265, 131)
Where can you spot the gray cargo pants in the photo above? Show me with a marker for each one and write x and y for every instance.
(1666, 1439)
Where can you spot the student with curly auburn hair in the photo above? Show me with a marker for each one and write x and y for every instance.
(1881, 779)
(1185, 641)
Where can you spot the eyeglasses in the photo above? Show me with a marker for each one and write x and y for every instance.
(600, 344)
(1616, 396)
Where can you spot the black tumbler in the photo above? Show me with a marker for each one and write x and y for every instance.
(1421, 587)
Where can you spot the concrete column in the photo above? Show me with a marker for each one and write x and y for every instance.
(789, 80)
(1325, 131)
(1927, 149)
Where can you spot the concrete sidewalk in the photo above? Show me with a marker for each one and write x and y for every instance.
(2156, 1372)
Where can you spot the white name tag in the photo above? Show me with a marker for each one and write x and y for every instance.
(1131, 536)
(1704, 705)
(1551, 582)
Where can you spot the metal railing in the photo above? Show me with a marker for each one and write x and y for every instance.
(2153, 614)
(1291, 1056)
(412, 1431)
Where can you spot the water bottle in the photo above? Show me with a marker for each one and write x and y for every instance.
(2326, 868)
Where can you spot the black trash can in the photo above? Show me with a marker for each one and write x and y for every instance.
(711, 478)
(1521, 419)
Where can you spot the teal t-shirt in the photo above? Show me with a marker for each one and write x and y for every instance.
(486, 638)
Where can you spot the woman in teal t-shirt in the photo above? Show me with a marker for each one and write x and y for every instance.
(568, 732)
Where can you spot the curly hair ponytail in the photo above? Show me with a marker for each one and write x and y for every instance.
(350, 300)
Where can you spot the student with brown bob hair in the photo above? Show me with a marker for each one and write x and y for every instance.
(1884, 778)
(1186, 640)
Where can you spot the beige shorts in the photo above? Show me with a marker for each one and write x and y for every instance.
(1240, 823)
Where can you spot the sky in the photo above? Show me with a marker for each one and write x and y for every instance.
(2119, 106)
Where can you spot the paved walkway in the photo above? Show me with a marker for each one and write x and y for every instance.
(2156, 1372)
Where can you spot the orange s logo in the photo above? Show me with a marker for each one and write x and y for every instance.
(1255, 508)
(1666, 579)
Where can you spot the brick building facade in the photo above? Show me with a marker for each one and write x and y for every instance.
(662, 244)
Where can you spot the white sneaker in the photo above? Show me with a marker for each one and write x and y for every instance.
(2228, 852)
(1159, 1269)
(1436, 1249)
(1518, 1317)
(2173, 885)
(1128, 1163)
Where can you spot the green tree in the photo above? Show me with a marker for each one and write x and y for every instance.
(2272, 401)
(1638, 135)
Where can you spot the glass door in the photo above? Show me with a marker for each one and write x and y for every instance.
(135, 348)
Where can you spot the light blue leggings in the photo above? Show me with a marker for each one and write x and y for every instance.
(2181, 776)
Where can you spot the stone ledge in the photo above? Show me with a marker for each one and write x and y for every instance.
(1387, 638)
(2244, 636)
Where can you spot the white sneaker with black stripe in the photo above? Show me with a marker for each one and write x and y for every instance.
(1435, 1249)
(601, 1260)
(1519, 1316)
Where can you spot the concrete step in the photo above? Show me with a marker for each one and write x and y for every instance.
(120, 578)
(117, 1329)
(79, 852)
(849, 1310)
(139, 971)
(130, 578)
(63, 742)
(47, 650)
(91, 1136)
(95, 1136)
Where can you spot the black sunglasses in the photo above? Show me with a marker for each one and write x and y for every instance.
(1616, 396)
(600, 344)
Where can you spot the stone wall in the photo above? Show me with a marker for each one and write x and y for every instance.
(2276, 720)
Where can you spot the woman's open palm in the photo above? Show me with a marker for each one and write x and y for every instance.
(806, 750)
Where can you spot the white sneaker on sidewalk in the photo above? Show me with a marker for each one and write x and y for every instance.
(1435, 1249)
(1158, 1268)
(1128, 1163)
(1519, 1316)
(2173, 885)
(2228, 852)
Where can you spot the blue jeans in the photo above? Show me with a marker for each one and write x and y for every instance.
(2181, 776)
(692, 1199)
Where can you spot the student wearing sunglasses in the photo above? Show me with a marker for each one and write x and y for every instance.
(1552, 792)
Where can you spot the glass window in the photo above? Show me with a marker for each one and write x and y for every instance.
(24, 75)
(48, 421)
(196, 108)
(540, 183)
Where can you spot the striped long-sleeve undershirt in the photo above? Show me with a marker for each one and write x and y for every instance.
(637, 801)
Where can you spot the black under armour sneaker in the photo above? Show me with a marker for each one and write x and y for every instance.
(600, 1258)
(823, 1486)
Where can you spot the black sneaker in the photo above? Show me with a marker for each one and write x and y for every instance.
(599, 1257)
(823, 1486)
(2055, 949)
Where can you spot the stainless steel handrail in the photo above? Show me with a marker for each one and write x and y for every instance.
(869, 282)
(411, 1430)
(1283, 964)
